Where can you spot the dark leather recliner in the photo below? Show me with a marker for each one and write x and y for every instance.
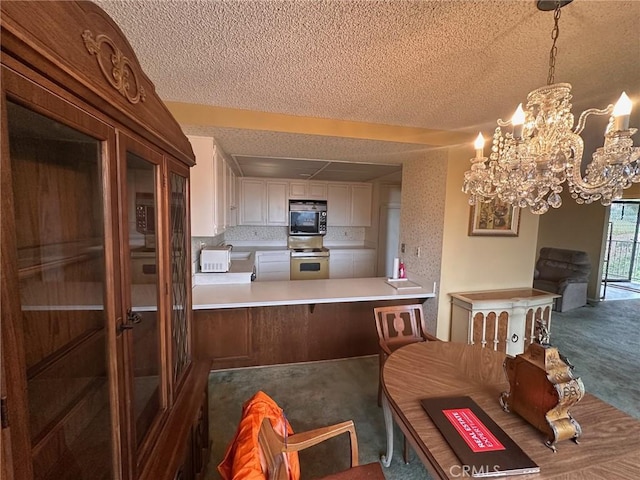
(565, 272)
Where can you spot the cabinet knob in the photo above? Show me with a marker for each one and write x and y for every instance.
(132, 319)
(514, 338)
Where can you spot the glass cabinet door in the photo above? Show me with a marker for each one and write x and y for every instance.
(57, 211)
(141, 237)
(180, 272)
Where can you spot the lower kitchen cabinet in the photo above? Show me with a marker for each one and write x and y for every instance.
(364, 263)
(340, 264)
(275, 265)
(352, 263)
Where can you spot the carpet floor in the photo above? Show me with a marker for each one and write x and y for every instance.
(603, 342)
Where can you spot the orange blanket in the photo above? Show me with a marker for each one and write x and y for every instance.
(243, 459)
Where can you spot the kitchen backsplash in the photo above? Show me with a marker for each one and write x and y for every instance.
(335, 235)
(248, 233)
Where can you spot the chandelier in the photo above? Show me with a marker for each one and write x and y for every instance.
(539, 149)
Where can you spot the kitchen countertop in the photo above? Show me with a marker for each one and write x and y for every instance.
(248, 247)
(302, 292)
(89, 296)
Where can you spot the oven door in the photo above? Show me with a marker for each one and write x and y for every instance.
(309, 268)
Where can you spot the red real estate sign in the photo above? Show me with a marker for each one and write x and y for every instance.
(472, 430)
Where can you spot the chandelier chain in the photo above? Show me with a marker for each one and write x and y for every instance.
(555, 33)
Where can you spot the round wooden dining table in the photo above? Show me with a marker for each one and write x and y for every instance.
(609, 446)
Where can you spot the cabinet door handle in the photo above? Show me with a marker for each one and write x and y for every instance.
(514, 338)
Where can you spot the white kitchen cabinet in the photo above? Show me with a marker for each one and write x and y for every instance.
(277, 208)
(232, 198)
(273, 265)
(263, 202)
(220, 185)
(340, 264)
(349, 204)
(364, 263)
(338, 205)
(212, 192)
(253, 197)
(204, 189)
(352, 263)
(304, 190)
(361, 205)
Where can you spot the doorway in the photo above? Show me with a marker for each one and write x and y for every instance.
(621, 268)
(388, 228)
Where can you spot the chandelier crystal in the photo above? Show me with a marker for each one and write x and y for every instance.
(539, 149)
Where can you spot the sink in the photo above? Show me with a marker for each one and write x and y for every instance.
(240, 255)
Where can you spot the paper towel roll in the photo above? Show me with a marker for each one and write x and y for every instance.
(396, 266)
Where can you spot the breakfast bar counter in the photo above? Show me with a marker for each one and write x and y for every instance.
(267, 323)
(305, 292)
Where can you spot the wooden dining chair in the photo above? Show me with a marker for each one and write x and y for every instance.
(274, 448)
(397, 326)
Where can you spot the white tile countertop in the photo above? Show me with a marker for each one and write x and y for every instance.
(302, 292)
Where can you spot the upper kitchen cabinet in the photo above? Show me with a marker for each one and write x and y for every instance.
(307, 190)
(98, 376)
(277, 207)
(232, 198)
(212, 190)
(349, 204)
(253, 196)
(263, 202)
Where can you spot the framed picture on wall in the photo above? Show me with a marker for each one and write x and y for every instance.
(494, 218)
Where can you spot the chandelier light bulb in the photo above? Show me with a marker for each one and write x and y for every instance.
(518, 122)
(479, 146)
(622, 112)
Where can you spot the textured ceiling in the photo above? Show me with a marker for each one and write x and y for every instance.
(444, 65)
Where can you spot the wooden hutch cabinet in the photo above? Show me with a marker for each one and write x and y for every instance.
(98, 376)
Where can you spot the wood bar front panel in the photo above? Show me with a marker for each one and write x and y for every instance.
(244, 337)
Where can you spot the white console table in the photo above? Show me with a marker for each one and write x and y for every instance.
(503, 320)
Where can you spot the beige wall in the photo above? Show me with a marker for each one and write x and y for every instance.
(632, 193)
(577, 227)
(478, 263)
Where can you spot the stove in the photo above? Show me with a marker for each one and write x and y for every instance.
(309, 258)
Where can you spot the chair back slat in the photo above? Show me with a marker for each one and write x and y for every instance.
(400, 324)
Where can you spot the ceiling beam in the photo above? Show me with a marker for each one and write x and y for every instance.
(207, 115)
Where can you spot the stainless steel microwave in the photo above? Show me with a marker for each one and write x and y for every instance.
(307, 217)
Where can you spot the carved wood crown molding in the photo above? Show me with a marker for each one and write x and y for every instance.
(120, 72)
